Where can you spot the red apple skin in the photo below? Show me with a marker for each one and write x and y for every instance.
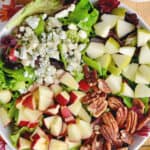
(28, 102)
(73, 98)
(23, 123)
(64, 130)
(35, 137)
(33, 125)
(61, 100)
(51, 109)
(84, 86)
(67, 115)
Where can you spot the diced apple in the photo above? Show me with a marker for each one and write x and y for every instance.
(63, 130)
(145, 71)
(58, 145)
(56, 88)
(123, 28)
(56, 126)
(127, 50)
(73, 145)
(24, 144)
(44, 96)
(105, 60)
(95, 50)
(53, 110)
(102, 29)
(67, 115)
(85, 129)
(112, 46)
(114, 69)
(144, 55)
(114, 83)
(63, 98)
(130, 71)
(140, 79)
(143, 36)
(74, 132)
(121, 12)
(75, 107)
(127, 90)
(122, 61)
(76, 96)
(4, 117)
(110, 19)
(68, 80)
(48, 121)
(5, 96)
(142, 91)
(84, 115)
(84, 86)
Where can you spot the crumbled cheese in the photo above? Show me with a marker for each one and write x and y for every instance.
(72, 27)
(82, 34)
(33, 21)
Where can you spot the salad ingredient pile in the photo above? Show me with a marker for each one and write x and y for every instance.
(77, 80)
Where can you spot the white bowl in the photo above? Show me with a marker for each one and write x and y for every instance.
(5, 132)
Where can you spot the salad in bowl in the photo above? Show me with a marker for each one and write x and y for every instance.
(75, 76)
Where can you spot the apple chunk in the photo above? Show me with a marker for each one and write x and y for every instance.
(76, 96)
(52, 110)
(5, 96)
(48, 121)
(145, 71)
(44, 97)
(127, 50)
(72, 145)
(24, 144)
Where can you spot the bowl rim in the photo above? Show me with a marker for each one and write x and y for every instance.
(4, 132)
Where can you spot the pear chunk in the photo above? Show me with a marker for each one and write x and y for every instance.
(127, 50)
(145, 71)
(123, 28)
(140, 79)
(121, 12)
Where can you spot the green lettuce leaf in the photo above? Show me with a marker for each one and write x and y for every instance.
(127, 101)
(146, 101)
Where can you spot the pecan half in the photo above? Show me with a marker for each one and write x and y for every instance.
(143, 123)
(97, 107)
(117, 143)
(114, 103)
(126, 137)
(107, 145)
(102, 85)
(97, 144)
(131, 122)
(121, 116)
(139, 104)
(109, 120)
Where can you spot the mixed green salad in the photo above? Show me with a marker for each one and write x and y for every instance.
(76, 78)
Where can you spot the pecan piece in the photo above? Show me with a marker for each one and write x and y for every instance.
(107, 145)
(102, 85)
(131, 122)
(121, 116)
(126, 137)
(109, 120)
(97, 144)
(143, 123)
(97, 107)
(123, 148)
(114, 103)
(117, 143)
(139, 104)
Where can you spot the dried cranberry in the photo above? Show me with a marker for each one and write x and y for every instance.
(132, 18)
(56, 63)
(106, 6)
(2, 144)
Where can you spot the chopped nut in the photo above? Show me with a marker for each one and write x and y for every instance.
(142, 123)
(121, 116)
(117, 143)
(114, 103)
(131, 122)
(107, 145)
(140, 105)
(97, 144)
(102, 85)
(126, 137)
(123, 148)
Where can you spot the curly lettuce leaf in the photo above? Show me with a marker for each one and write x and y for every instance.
(146, 101)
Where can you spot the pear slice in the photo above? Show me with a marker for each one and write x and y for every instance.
(102, 29)
(145, 71)
(127, 90)
(130, 71)
(142, 91)
(123, 28)
(115, 83)
(105, 60)
(127, 50)
(95, 50)
(121, 12)
(110, 19)
(143, 37)
(140, 79)
(112, 46)
(144, 57)
(122, 61)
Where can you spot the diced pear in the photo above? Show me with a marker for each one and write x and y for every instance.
(110, 19)
(121, 12)
(5, 96)
(122, 61)
(127, 50)
(114, 83)
(131, 40)
(140, 79)
(144, 56)
(112, 46)
(123, 28)
(102, 29)
(142, 91)
(95, 50)
(130, 71)
(145, 71)
(143, 36)
(72, 145)
(105, 60)
(127, 90)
